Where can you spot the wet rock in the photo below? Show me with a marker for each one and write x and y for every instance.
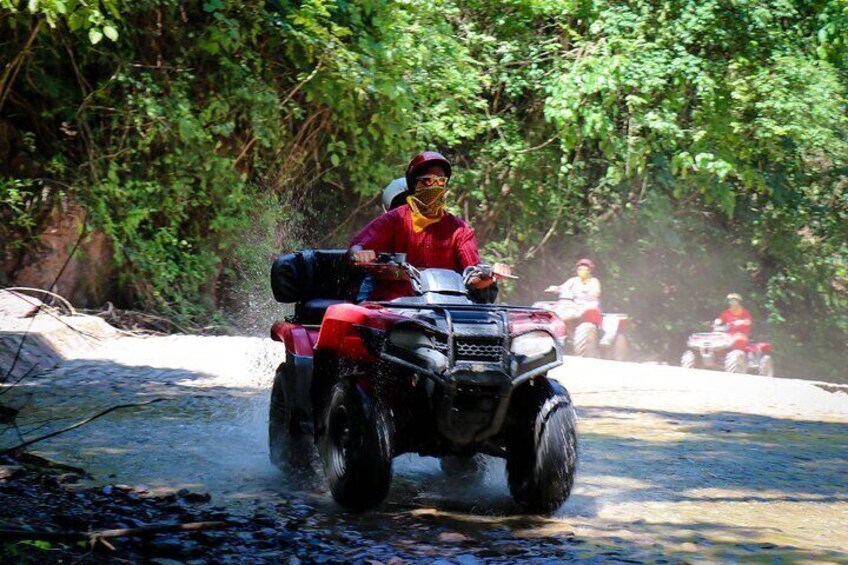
(293, 524)
(68, 478)
(265, 521)
(107, 490)
(10, 471)
(165, 547)
(285, 539)
(191, 496)
(264, 533)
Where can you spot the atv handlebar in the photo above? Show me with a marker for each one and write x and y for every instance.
(389, 266)
(718, 327)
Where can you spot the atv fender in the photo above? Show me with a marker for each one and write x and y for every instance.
(557, 388)
(297, 339)
(340, 329)
(593, 316)
(300, 344)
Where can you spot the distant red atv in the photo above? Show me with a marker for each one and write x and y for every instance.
(436, 374)
(720, 350)
(591, 333)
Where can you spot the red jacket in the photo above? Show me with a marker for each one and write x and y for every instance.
(448, 244)
(728, 317)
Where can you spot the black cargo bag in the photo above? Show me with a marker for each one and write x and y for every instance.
(306, 275)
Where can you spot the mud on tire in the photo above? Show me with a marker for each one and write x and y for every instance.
(688, 360)
(290, 436)
(356, 447)
(542, 451)
(586, 340)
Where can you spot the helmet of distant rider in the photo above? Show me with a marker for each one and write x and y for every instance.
(585, 263)
(395, 194)
(734, 297)
(420, 162)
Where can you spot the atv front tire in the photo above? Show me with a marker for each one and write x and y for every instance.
(290, 437)
(542, 450)
(766, 368)
(688, 360)
(735, 362)
(586, 340)
(356, 448)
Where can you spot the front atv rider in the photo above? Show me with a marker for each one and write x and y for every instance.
(430, 236)
(738, 321)
(583, 289)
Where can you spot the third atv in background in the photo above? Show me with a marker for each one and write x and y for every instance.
(728, 346)
(720, 350)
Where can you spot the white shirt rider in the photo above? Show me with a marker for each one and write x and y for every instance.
(584, 289)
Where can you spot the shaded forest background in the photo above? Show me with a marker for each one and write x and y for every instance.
(690, 148)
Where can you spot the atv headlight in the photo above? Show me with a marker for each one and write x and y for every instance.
(533, 344)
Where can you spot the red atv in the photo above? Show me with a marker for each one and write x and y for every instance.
(591, 333)
(435, 374)
(721, 350)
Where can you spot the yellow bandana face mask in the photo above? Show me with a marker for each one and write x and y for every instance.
(428, 207)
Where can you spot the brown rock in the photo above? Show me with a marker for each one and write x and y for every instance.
(453, 537)
(88, 274)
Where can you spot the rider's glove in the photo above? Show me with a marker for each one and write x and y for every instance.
(480, 272)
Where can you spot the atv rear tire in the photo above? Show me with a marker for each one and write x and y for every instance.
(586, 340)
(472, 467)
(766, 368)
(290, 438)
(735, 362)
(356, 448)
(541, 455)
(688, 360)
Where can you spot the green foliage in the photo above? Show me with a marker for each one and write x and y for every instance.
(97, 17)
(691, 147)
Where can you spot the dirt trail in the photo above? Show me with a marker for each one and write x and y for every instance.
(675, 465)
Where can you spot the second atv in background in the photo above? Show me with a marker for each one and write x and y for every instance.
(591, 333)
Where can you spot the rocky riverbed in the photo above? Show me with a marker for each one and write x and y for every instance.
(676, 466)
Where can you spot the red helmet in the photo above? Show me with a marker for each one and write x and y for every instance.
(422, 161)
(586, 263)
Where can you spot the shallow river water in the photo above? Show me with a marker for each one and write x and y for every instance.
(675, 465)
